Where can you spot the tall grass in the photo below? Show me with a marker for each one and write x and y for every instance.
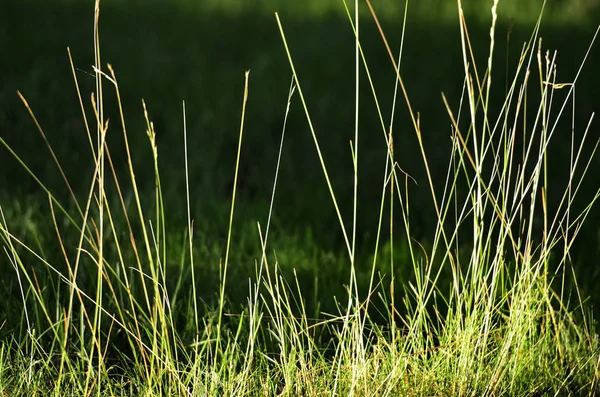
(486, 313)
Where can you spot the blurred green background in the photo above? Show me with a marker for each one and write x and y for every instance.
(197, 51)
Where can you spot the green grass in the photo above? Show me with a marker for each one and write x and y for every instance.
(115, 290)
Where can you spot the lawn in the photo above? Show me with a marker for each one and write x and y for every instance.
(460, 262)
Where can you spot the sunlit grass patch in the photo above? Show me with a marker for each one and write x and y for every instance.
(118, 304)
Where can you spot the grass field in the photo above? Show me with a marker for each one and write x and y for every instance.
(207, 248)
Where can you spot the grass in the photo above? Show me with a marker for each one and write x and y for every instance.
(111, 297)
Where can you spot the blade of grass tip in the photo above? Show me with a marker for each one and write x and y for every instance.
(189, 218)
(315, 140)
(271, 204)
(490, 57)
(235, 178)
(263, 259)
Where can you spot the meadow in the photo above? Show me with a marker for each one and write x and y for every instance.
(290, 213)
